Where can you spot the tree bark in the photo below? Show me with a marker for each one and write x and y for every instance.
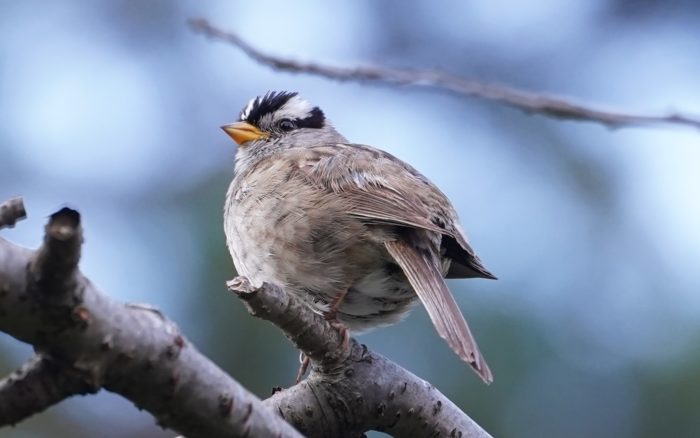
(86, 341)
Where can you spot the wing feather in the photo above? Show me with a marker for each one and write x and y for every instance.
(379, 188)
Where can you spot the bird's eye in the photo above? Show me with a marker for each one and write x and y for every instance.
(287, 125)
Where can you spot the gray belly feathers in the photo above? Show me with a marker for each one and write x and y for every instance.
(314, 262)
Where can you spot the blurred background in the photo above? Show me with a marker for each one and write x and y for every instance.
(593, 328)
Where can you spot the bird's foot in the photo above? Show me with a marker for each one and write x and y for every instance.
(303, 366)
(332, 317)
(341, 328)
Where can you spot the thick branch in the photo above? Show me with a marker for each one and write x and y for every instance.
(131, 350)
(529, 102)
(87, 341)
(11, 212)
(350, 390)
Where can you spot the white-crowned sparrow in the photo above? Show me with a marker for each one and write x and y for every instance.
(352, 230)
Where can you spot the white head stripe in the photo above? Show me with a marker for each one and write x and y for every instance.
(246, 111)
(295, 108)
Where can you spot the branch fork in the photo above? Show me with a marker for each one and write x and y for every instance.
(87, 341)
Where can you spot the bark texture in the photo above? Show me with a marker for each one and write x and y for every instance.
(86, 341)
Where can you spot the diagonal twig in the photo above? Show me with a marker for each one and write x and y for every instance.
(527, 101)
(350, 389)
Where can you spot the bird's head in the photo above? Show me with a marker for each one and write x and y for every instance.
(281, 118)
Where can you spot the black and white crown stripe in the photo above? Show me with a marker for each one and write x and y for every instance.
(283, 105)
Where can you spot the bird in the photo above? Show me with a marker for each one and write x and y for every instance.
(356, 233)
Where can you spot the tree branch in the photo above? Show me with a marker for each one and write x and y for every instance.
(131, 350)
(11, 211)
(37, 385)
(87, 341)
(529, 102)
(350, 390)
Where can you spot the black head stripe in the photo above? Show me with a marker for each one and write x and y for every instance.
(315, 120)
(269, 103)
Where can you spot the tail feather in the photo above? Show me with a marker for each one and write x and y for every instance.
(426, 279)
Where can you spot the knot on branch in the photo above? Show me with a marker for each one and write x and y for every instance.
(55, 264)
(11, 212)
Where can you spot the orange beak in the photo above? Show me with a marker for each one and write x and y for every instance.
(242, 132)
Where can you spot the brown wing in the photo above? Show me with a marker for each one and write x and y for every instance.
(426, 279)
(380, 188)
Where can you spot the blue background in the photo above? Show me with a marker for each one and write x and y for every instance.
(593, 328)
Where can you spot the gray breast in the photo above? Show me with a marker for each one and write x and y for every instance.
(280, 229)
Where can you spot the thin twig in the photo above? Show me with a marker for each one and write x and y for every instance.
(529, 102)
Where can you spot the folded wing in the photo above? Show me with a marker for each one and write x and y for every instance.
(379, 188)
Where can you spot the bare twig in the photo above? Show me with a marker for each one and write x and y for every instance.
(131, 350)
(529, 102)
(350, 390)
(11, 211)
